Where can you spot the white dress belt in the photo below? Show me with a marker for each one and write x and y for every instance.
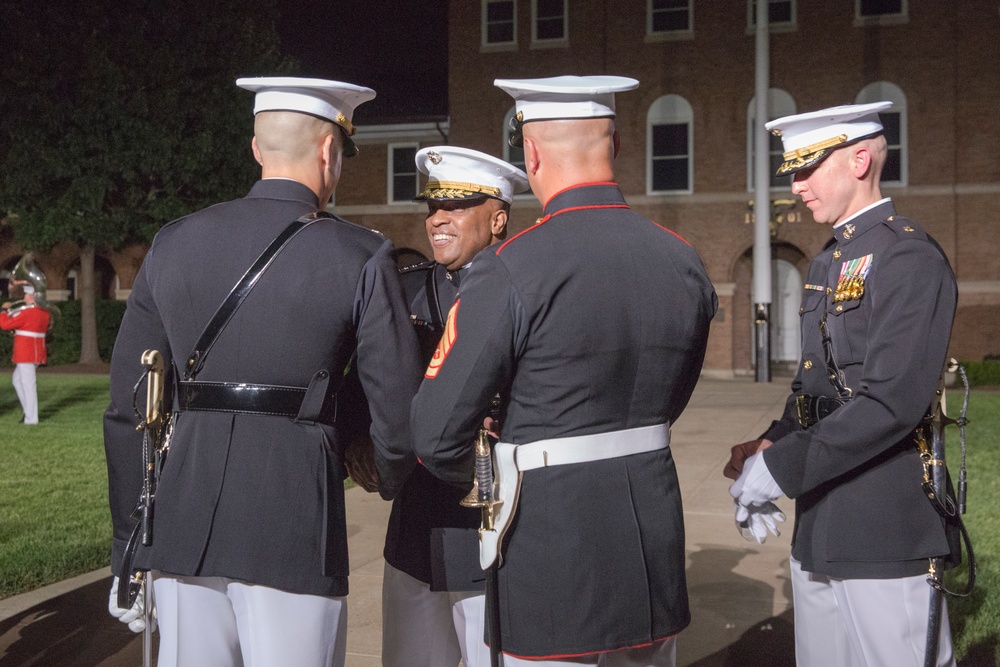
(510, 462)
(593, 447)
(29, 334)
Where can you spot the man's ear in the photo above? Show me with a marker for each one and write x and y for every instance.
(861, 162)
(498, 225)
(617, 141)
(326, 149)
(256, 152)
(531, 157)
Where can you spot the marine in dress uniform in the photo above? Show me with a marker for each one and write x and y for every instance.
(250, 545)
(432, 590)
(29, 322)
(883, 289)
(594, 323)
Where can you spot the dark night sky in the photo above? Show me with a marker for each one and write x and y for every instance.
(396, 47)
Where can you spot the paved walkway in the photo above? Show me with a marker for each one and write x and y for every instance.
(740, 592)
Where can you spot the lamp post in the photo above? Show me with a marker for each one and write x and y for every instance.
(782, 212)
(762, 185)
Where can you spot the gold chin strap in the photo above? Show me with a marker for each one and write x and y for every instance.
(806, 151)
(470, 188)
(346, 124)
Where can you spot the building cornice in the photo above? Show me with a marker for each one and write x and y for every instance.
(429, 131)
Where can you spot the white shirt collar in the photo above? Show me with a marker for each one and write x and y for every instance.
(866, 208)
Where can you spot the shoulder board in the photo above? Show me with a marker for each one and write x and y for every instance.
(334, 216)
(422, 266)
(904, 227)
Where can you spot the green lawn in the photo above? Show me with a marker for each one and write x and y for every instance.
(54, 519)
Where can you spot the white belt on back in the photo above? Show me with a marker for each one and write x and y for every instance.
(29, 334)
(511, 461)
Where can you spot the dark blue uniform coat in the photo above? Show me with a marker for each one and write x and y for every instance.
(593, 320)
(855, 476)
(247, 496)
(430, 536)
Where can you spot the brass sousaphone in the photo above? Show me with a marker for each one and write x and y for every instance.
(27, 272)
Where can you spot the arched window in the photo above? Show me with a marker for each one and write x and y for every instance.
(896, 170)
(669, 146)
(779, 104)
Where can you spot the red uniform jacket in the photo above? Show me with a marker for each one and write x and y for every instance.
(29, 325)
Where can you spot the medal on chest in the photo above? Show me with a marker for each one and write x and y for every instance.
(851, 283)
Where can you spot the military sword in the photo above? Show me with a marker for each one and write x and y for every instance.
(483, 496)
(155, 426)
(936, 487)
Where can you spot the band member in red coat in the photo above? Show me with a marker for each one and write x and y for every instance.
(29, 322)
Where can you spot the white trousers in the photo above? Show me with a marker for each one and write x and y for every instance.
(425, 628)
(864, 622)
(660, 654)
(220, 622)
(23, 379)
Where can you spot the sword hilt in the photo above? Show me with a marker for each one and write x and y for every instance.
(483, 494)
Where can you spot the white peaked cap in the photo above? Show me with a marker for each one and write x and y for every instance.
(333, 100)
(810, 137)
(565, 96)
(455, 173)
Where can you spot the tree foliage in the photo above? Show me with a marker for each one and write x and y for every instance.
(120, 115)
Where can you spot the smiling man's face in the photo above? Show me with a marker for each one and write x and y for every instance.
(458, 230)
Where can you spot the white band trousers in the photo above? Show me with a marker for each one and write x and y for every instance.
(220, 622)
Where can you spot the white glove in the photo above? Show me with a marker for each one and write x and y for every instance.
(134, 617)
(756, 521)
(755, 486)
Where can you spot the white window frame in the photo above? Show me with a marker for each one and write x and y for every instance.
(885, 90)
(486, 45)
(668, 35)
(784, 26)
(537, 43)
(779, 104)
(391, 174)
(670, 110)
(903, 16)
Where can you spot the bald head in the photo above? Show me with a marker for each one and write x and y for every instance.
(562, 153)
(289, 136)
(301, 147)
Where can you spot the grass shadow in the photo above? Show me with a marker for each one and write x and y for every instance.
(64, 400)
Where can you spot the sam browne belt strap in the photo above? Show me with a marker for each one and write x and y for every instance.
(313, 403)
(310, 403)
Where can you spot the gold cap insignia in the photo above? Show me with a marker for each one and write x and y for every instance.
(776, 132)
(520, 116)
(435, 158)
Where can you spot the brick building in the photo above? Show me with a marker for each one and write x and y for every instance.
(686, 159)
(686, 149)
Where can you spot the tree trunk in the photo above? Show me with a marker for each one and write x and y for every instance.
(89, 353)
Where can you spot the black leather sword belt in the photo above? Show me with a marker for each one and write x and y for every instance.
(810, 409)
(255, 399)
